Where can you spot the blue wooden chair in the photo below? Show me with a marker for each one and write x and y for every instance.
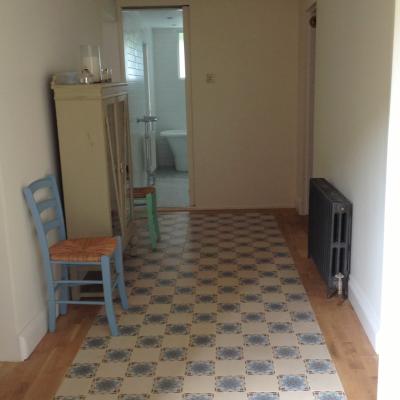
(146, 196)
(73, 253)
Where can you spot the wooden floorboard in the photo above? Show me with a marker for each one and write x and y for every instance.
(356, 361)
(39, 377)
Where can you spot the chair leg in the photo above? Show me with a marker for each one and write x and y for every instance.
(119, 267)
(155, 217)
(107, 292)
(150, 221)
(51, 298)
(52, 309)
(64, 290)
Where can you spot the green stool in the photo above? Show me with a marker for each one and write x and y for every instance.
(148, 194)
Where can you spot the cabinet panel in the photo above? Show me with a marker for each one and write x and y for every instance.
(91, 129)
(113, 168)
(116, 115)
(83, 153)
(91, 122)
(124, 156)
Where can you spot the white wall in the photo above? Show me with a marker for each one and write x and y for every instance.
(389, 351)
(110, 49)
(37, 38)
(354, 54)
(169, 90)
(245, 124)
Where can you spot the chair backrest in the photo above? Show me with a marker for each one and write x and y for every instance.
(52, 204)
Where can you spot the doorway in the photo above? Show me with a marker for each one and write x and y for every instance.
(155, 69)
(308, 101)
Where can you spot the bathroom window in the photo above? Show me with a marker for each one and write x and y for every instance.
(181, 55)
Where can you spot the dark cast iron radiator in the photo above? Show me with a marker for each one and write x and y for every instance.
(329, 235)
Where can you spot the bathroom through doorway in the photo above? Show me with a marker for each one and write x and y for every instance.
(156, 70)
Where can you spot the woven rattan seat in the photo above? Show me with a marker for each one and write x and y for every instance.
(142, 192)
(83, 250)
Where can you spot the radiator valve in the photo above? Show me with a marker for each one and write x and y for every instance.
(339, 277)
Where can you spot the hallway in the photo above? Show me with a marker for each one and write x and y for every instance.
(210, 301)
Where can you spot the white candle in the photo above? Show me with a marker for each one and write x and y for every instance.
(90, 59)
(92, 63)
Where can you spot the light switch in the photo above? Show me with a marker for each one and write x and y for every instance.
(210, 77)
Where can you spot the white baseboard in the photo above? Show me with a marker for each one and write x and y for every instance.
(32, 334)
(300, 207)
(365, 312)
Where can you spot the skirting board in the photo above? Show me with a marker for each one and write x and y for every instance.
(32, 334)
(365, 312)
(300, 207)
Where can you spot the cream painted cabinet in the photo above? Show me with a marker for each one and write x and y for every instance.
(96, 162)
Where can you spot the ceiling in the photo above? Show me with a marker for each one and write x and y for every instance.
(155, 18)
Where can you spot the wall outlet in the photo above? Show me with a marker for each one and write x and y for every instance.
(210, 77)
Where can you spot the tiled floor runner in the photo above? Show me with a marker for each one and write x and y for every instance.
(218, 312)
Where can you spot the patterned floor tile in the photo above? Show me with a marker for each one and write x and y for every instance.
(106, 385)
(117, 355)
(200, 368)
(319, 367)
(82, 370)
(149, 341)
(198, 396)
(256, 340)
(230, 384)
(310, 339)
(95, 343)
(229, 328)
(253, 317)
(139, 369)
(173, 354)
(338, 395)
(204, 317)
(229, 353)
(260, 367)
(134, 397)
(202, 340)
(168, 384)
(177, 329)
(293, 383)
(218, 312)
(286, 352)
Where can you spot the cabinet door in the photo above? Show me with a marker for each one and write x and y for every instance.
(124, 157)
(113, 162)
(129, 154)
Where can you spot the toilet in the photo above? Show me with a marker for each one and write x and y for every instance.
(177, 143)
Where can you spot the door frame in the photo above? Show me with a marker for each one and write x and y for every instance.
(124, 5)
(307, 98)
(149, 95)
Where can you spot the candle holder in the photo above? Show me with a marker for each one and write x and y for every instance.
(91, 60)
